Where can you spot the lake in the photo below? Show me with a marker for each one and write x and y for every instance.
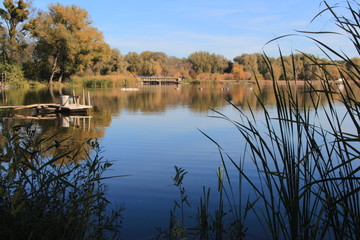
(145, 132)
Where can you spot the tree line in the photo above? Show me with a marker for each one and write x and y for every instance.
(61, 42)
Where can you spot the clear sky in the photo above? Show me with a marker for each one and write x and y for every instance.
(226, 27)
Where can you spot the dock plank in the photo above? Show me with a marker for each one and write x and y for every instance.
(57, 107)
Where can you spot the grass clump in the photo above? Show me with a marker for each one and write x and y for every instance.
(105, 81)
(219, 223)
(59, 196)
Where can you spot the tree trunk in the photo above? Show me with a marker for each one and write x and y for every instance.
(53, 70)
(61, 77)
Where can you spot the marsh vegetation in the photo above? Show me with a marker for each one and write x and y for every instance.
(306, 159)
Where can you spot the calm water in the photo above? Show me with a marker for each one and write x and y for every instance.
(146, 133)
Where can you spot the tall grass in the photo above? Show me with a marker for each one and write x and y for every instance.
(105, 81)
(306, 157)
(58, 196)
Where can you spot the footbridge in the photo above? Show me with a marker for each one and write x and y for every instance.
(159, 80)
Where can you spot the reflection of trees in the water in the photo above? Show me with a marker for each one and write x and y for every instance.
(48, 133)
(159, 98)
(111, 102)
(74, 130)
(252, 95)
(209, 97)
(19, 96)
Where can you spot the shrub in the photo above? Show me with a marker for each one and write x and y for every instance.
(14, 72)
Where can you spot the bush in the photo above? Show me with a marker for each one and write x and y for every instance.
(14, 72)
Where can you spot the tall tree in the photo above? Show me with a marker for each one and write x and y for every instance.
(239, 73)
(204, 62)
(70, 42)
(154, 63)
(249, 63)
(116, 63)
(12, 30)
(135, 63)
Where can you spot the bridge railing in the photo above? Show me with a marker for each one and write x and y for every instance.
(159, 79)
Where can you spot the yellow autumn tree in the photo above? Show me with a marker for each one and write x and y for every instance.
(66, 41)
(238, 72)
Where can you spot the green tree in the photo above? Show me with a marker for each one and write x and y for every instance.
(249, 63)
(116, 63)
(154, 63)
(67, 43)
(204, 62)
(262, 67)
(152, 68)
(13, 30)
(135, 63)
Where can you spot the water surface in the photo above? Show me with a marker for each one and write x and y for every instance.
(145, 133)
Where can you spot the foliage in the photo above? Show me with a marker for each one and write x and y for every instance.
(115, 65)
(67, 42)
(12, 34)
(156, 64)
(204, 62)
(239, 73)
(44, 197)
(13, 72)
(64, 43)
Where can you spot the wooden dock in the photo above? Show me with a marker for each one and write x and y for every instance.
(67, 105)
(57, 108)
(159, 80)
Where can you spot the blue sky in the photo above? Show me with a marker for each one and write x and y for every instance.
(226, 27)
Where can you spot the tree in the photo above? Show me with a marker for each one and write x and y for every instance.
(238, 72)
(12, 31)
(178, 67)
(262, 67)
(135, 62)
(116, 63)
(68, 40)
(249, 63)
(204, 62)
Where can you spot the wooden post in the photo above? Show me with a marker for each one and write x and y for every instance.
(73, 96)
(83, 96)
(89, 104)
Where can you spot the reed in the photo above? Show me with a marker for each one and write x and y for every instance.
(219, 223)
(105, 81)
(307, 161)
(59, 196)
(306, 157)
